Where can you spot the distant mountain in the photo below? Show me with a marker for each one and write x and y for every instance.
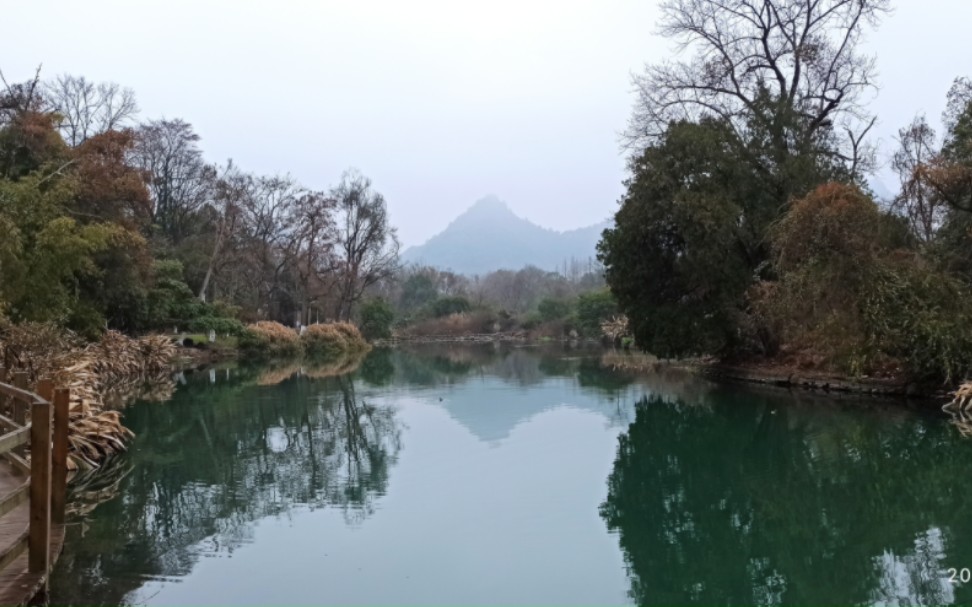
(881, 191)
(489, 236)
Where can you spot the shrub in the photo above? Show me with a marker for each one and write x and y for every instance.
(222, 325)
(846, 298)
(531, 322)
(446, 306)
(351, 335)
(920, 316)
(376, 319)
(553, 309)
(268, 339)
(593, 309)
(480, 321)
(332, 339)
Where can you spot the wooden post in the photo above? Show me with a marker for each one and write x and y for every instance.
(39, 536)
(20, 379)
(45, 389)
(19, 407)
(62, 404)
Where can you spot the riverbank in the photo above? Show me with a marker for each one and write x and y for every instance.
(789, 377)
(761, 372)
(785, 376)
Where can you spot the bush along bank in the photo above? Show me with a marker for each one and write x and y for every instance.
(268, 340)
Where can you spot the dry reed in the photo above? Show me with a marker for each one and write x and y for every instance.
(332, 339)
(268, 339)
(91, 373)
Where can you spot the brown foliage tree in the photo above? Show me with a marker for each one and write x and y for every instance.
(109, 188)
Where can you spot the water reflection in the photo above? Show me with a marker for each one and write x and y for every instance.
(743, 499)
(714, 494)
(217, 457)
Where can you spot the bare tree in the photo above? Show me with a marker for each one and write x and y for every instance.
(87, 109)
(313, 250)
(270, 224)
(229, 194)
(918, 201)
(178, 178)
(792, 68)
(367, 244)
(20, 98)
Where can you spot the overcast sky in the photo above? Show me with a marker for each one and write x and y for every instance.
(439, 102)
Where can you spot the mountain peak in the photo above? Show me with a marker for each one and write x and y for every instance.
(490, 204)
(490, 236)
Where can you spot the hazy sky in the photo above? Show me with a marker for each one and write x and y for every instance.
(439, 102)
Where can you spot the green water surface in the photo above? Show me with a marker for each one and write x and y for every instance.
(498, 475)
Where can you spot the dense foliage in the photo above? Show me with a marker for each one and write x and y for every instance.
(745, 231)
(376, 317)
(112, 223)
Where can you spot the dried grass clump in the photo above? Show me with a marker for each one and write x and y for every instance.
(332, 339)
(268, 339)
(340, 366)
(314, 369)
(91, 373)
(273, 375)
(351, 334)
(37, 348)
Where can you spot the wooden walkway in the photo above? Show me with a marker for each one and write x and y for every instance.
(32, 494)
(17, 584)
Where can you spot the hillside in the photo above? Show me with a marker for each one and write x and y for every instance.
(489, 236)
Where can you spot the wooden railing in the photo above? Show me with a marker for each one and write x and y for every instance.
(35, 422)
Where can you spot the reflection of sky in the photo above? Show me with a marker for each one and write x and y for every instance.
(491, 408)
(464, 521)
(494, 497)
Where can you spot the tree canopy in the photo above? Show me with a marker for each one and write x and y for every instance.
(114, 222)
(745, 228)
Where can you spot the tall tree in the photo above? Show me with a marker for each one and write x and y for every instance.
(225, 207)
(28, 138)
(87, 109)
(312, 249)
(687, 241)
(269, 216)
(917, 201)
(792, 68)
(179, 179)
(949, 175)
(109, 188)
(767, 106)
(367, 245)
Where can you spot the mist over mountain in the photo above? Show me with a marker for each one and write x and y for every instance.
(488, 236)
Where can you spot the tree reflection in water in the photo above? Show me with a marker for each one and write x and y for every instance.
(717, 494)
(736, 502)
(227, 454)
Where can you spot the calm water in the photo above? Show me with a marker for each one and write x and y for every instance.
(477, 475)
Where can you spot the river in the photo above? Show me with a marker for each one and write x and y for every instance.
(518, 475)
